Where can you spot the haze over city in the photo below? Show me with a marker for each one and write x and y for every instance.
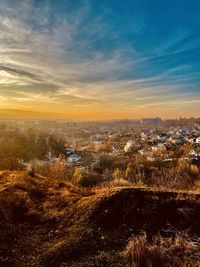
(99, 59)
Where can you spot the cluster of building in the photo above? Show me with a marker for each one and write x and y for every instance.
(83, 142)
(167, 141)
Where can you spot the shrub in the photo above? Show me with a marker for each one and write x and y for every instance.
(86, 179)
(165, 252)
(117, 174)
(57, 169)
(104, 162)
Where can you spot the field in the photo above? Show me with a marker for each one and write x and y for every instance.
(49, 222)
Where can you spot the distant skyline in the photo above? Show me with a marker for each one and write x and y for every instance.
(108, 59)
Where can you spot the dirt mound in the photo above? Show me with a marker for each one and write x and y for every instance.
(53, 223)
(149, 210)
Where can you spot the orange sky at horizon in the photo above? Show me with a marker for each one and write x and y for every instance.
(91, 114)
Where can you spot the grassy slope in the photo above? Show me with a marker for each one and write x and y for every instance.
(52, 223)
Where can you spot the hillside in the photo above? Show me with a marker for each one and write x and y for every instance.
(47, 222)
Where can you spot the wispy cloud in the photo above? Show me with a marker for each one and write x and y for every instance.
(75, 59)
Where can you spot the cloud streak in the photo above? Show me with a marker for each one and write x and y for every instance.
(76, 58)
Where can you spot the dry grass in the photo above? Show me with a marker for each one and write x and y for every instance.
(166, 252)
(120, 182)
(49, 222)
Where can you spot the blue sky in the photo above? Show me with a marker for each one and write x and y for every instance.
(101, 59)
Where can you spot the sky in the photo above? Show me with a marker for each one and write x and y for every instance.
(100, 59)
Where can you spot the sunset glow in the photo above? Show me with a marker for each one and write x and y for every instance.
(99, 59)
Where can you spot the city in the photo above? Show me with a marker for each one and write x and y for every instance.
(135, 149)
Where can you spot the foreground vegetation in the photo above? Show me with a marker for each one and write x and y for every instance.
(52, 222)
(180, 251)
